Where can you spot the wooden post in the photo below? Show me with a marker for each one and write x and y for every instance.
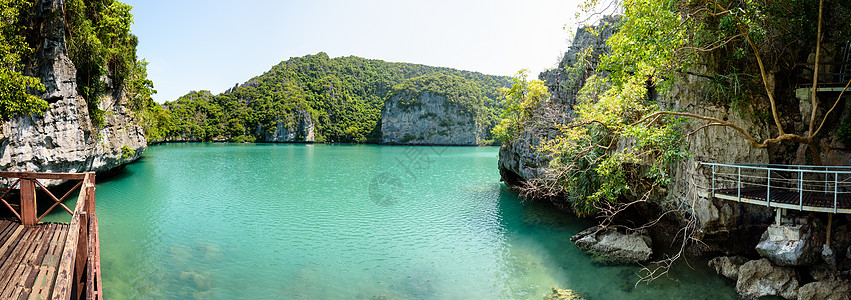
(82, 255)
(90, 194)
(29, 212)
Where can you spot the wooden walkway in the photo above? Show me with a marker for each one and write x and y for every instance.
(49, 260)
(29, 258)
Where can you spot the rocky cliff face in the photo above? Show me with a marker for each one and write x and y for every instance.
(63, 139)
(520, 161)
(434, 121)
(788, 250)
(299, 131)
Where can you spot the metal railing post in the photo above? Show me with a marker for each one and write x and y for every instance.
(768, 190)
(713, 182)
(800, 190)
(835, 189)
(739, 189)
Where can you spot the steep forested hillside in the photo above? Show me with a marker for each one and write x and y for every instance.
(72, 89)
(342, 97)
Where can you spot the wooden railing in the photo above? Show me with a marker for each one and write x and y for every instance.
(78, 276)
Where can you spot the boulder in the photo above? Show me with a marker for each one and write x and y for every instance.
(759, 278)
(820, 272)
(832, 289)
(791, 245)
(608, 246)
(728, 265)
(560, 294)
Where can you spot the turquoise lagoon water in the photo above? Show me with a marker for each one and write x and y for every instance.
(295, 221)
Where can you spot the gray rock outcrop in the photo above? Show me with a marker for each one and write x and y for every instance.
(759, 278)
(300, 130)
(825, 290)
(435, 121)
(790, 245)
(63, 139)
(728, 266)
(520, 160)
(608, 246)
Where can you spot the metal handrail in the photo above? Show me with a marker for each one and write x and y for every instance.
(799, 182)
(794, 166)
(755, 167)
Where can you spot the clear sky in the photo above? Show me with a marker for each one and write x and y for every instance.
(214, 44)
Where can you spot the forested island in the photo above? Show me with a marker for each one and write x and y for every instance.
(319, 99)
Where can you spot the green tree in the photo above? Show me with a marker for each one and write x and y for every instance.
(15, 98)
(101, 46)
(657, 43)
(343, 96)
(519, 102)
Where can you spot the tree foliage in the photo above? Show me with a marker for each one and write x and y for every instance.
(520, 102)
(624, 139)
(15, 87)
(102, 48)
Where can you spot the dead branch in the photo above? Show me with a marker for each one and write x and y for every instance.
(831, 108)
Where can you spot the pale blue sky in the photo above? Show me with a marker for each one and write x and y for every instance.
(211, 45)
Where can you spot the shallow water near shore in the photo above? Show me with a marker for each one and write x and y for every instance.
(300, 221)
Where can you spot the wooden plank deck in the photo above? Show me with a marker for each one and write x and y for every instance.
(29, 259)
(788, 198)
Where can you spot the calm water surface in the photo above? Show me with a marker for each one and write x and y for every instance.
(285, 221)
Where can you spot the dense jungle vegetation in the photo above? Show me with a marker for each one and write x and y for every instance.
(627, 135)
(99, 43)
(344, 97)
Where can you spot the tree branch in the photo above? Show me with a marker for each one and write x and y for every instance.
(764, 75)
(831, 108)
(718, 122)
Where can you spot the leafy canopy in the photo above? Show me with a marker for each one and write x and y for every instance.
(15, 98)
(344, 97)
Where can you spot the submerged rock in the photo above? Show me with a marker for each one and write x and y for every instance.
(832, 289)
(566, 294)
(608, 246)
(759, 278)
(791, 245)
(728, 265)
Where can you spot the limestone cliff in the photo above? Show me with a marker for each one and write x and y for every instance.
(520, 161)
(433, 110)
(63, 139)
(434, 122)
(721, 226)
(299, 130)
